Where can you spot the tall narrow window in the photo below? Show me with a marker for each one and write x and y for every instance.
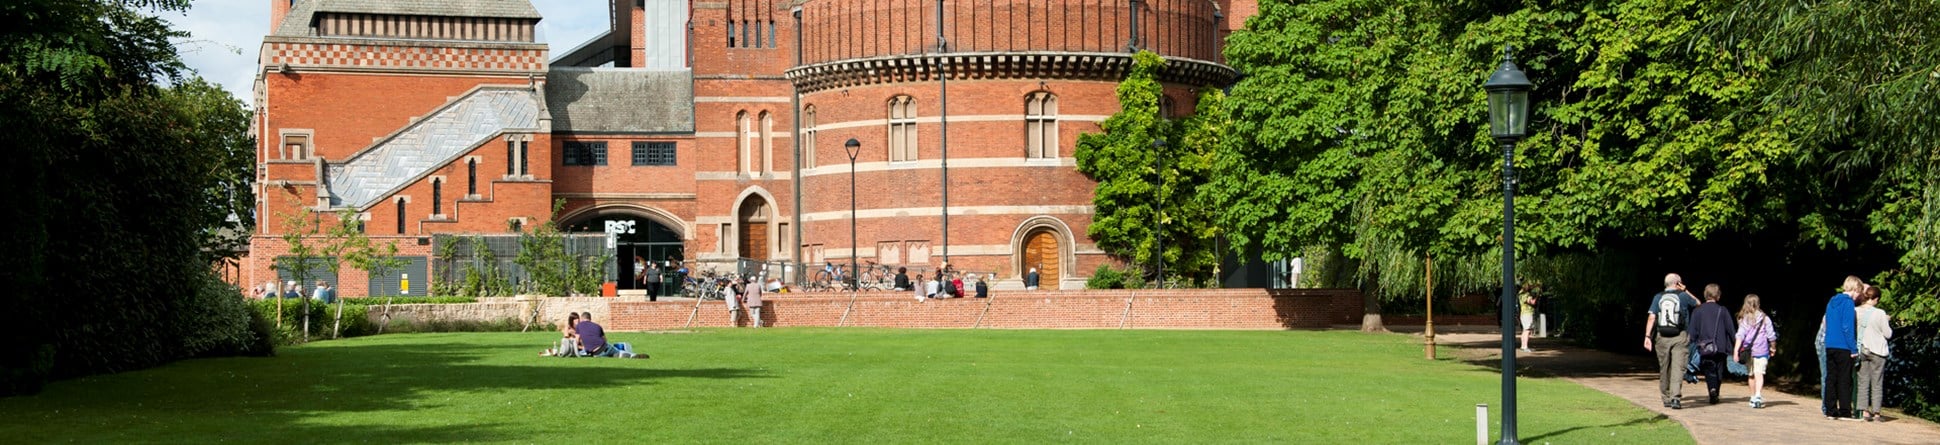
(902, 128)
(765, 159)
(808, 137)
(760, 35)
(1041, 125)
(471, 177)
(437, 196)
(731, 36)
(742, 142)
(771, 35)
(511, 157)
(400, 215)
(524, 149)
(1165, 107)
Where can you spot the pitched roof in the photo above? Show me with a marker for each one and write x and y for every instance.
(297, 23)
(612, 100)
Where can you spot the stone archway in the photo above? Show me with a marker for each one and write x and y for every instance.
(1044, 243)
(640, 232)
(753, 223)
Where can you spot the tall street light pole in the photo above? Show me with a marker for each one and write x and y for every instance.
(1508, 92)
(854, 148)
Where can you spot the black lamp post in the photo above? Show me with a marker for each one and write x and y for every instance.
(854, 148)
(1158, 145)
(1508, 122)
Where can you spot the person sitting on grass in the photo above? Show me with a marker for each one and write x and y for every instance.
(569, 340)
(592, 338)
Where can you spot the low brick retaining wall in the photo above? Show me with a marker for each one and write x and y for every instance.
(1091, 309)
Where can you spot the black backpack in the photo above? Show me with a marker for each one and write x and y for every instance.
(1670, 314)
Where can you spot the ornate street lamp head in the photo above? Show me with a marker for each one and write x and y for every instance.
(1508, 101)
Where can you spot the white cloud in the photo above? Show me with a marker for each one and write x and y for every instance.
(225, 35)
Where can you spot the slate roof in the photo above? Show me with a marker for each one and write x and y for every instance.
(430, 142)
(297, 24)
(610, 100)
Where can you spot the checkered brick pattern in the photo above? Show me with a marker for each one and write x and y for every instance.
(405, 57)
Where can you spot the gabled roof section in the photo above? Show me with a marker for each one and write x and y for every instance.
(304, 12)
(620, 100)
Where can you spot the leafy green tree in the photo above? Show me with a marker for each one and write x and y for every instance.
(1360, 125)
(303, 259)
(1852, 84)
(1148, 169)
(118, 169)
(348, 243)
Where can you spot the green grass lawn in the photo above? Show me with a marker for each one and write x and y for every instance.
(829, 386)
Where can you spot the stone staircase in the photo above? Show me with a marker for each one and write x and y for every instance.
(430, 142)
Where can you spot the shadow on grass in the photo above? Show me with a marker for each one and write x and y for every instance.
(335, 393)
(1631, 422)
(1566, 362)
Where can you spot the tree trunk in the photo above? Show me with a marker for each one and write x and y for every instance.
(337, 327)
(1371, 313)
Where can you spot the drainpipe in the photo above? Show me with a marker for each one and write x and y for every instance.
(942, 64)
(797, 142)
(1132, 46)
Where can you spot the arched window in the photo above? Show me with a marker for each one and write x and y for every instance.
(1041, 125)
(902, 128)
(742, 138)
(1165, 107)
(437, 196)
(471, 177)
(400, 215)
(765, 160)
(808, 137)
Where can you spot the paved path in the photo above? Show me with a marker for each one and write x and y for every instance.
(1787, 418)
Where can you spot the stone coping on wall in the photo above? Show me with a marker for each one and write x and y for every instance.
(1086, 309)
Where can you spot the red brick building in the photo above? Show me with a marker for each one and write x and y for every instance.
(715, 130)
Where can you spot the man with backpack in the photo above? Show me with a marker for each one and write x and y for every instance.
(1670, 311)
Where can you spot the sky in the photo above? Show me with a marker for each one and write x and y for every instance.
(226, 34)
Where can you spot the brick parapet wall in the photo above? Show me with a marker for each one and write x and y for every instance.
(1090, 309)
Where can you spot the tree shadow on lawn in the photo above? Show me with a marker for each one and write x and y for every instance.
(1632, 422)
(280, 399)
(1560, 362)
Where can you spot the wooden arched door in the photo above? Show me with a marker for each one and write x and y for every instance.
(1041, 252)
(753, 222)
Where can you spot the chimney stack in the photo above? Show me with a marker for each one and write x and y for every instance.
(277, 10)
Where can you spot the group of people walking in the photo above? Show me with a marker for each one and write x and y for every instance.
(1681, 329)
(1854, 331)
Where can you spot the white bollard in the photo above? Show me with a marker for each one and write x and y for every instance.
(1542, 325)
(1481, 424)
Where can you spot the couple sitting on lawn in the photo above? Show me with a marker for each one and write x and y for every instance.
(584, 338)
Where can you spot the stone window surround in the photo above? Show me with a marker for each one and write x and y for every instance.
(309, 143)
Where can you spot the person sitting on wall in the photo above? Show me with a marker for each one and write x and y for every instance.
(983, 286)
(1031, 279)
(592, 337)
(902, 278)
